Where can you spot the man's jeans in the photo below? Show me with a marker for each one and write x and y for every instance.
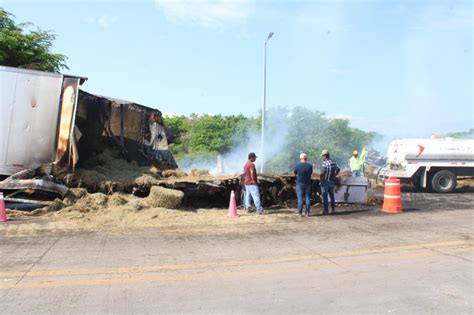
(328, 189)
(252, 191)
(303, 191)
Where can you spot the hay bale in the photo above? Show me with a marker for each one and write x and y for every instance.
(165, 197)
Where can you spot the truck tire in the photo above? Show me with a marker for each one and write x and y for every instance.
(443, 181)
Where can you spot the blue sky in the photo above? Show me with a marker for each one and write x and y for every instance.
(401, 68)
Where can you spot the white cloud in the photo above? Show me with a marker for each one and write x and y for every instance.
(208, 13)
(104, 21)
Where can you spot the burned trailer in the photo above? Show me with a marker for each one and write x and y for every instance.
(135, 130)
(49, 125)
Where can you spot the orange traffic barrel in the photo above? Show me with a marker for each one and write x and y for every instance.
(392, 197)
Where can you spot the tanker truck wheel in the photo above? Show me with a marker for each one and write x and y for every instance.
(443, 181)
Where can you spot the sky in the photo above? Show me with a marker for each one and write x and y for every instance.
(400, 68)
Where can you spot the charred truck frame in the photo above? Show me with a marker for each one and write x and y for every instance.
(48, 124)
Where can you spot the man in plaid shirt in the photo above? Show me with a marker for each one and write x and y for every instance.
(329, 170)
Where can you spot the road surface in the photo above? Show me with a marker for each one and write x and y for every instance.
(420, 261)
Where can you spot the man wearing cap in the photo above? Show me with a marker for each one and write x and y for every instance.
(251, 184)
(356, 163)
(303, 171)
(329, 170)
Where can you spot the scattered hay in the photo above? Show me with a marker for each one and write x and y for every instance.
(173, 173)
(108, 172)
(117, 200)
(373, 200)
(145, 181)
(165, 198)
(199, 173)
(90, 179)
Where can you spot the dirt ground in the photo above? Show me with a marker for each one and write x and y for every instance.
(123, 213)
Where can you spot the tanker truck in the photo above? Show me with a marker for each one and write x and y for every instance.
(430, 163)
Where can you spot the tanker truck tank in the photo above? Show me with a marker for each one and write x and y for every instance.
(430, 149)
(433, 163)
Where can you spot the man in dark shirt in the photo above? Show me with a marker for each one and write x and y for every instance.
(251, 184)
(303, 171)
(329, 170)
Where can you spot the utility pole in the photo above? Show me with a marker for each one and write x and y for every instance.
(262, 154)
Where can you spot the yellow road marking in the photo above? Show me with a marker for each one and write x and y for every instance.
(231, 263)
(350, 257)
(124, 279)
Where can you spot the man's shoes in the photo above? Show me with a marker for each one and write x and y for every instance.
(324, 212)
(307, 214)
(333, 211)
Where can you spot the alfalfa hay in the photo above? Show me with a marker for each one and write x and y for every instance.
(165, 198)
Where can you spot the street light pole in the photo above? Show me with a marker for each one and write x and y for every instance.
(262, 155)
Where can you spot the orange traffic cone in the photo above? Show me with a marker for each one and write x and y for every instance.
(232, 206)
(392, 197)
(3, 214)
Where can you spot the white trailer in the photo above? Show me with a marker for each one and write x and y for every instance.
(37, 111)
(432, 163)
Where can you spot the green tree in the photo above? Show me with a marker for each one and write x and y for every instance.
(462, 134)
(310, 131)
(22, 47)
(200, 138)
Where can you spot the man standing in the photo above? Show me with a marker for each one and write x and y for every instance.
(303, 171)
(329, 170)
(362, 161)
(251, 184)
(356, 163)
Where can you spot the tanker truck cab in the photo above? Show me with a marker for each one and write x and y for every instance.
(430, 163)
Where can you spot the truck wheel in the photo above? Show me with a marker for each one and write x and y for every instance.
(443, 181)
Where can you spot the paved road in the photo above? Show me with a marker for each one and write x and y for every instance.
(417, 262)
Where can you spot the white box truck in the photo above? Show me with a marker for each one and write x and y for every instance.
(37, 111)
(430, 163)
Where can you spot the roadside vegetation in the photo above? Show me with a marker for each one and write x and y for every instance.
(22, 45)
(289, 131)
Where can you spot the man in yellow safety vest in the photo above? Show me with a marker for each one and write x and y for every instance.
(356, 163)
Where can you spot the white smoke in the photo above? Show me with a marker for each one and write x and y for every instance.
(232, 162)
